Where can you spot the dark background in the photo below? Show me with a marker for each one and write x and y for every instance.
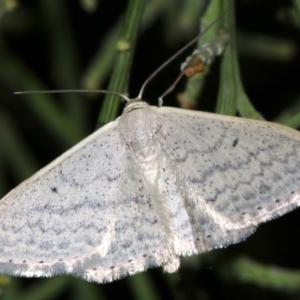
(272, 84)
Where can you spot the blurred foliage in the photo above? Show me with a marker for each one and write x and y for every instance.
(60, 44)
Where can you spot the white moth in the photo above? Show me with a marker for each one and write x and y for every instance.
(155, 184)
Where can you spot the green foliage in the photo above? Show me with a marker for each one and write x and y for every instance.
(57, 44)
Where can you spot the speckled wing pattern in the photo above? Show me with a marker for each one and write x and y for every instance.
(234, 173)
(153, 185)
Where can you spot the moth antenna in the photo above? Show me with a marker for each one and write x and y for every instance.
(174, 57)
(170, 88)
(144, 84)
(74, 91)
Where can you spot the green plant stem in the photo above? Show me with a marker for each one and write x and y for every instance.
(195, 84)
(232, 96)
(226, 103)
(101, 64)
(270, 277)
(297, 8)
(121, 70)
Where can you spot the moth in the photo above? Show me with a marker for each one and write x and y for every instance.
(153, 185)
